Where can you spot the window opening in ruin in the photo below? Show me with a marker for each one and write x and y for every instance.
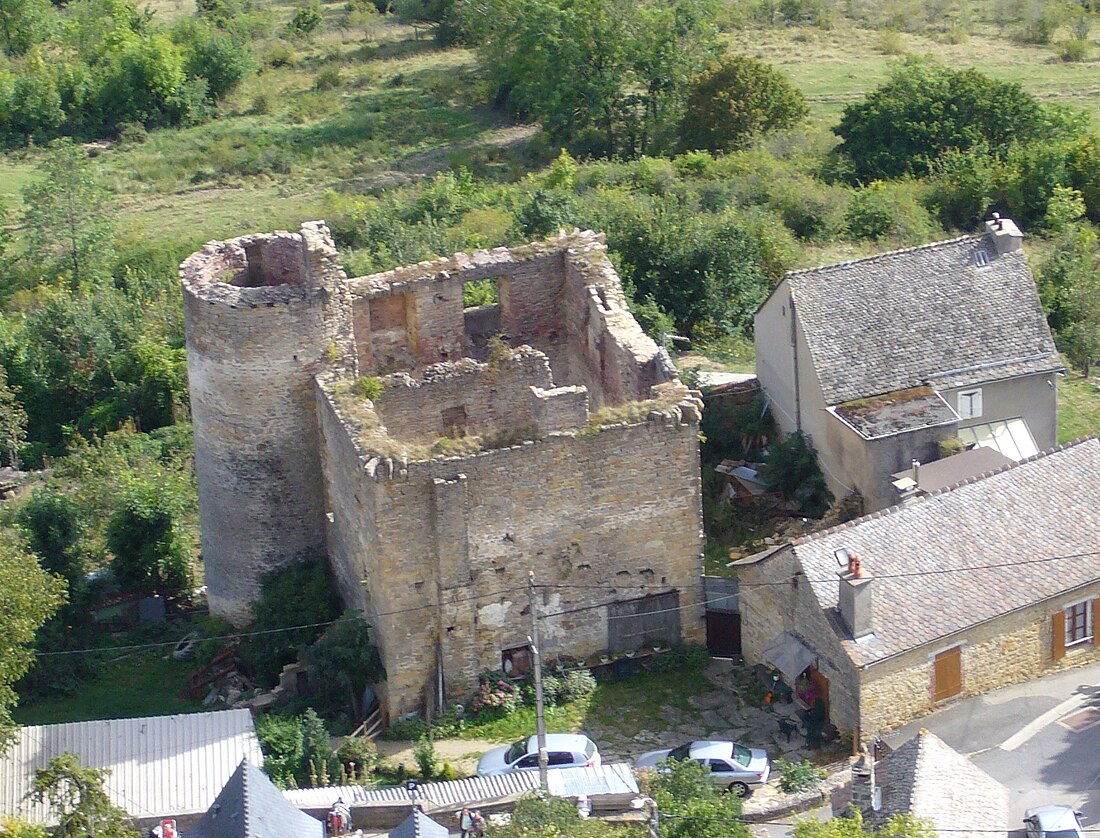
(482, 292)
(516, 662)
(454, 421)
(267, 266)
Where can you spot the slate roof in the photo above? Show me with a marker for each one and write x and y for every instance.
(250, 806)
(929, 780)
(930, 559)
(419, 825)
(923, 315)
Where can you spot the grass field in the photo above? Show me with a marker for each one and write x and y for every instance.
(138, 685)
(1078, 407)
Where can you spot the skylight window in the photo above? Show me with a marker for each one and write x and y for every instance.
(981, 259)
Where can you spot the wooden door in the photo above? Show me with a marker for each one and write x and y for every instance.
(822, 684)
(947, 674)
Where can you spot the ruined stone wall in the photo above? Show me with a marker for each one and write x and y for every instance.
(616, 509)
(464, 398)
(262, 315)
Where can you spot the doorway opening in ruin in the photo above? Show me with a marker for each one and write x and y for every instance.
(482, 313)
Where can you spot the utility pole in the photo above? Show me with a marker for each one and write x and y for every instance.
(536, 662)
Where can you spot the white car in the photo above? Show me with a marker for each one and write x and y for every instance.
(1052, 822)
(732, 766)
(564, 750)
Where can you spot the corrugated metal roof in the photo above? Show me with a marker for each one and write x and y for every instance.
(564, 782)
(160, 765)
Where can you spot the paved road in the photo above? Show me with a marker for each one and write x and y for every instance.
(1040, 739)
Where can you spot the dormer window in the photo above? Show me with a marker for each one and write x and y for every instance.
(970, 404)
(981, 259)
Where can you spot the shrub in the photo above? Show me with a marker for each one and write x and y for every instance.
(890, 42)
(495, 696)
(884, 209)
(328, 79)
(691, 658)
(358, 755)
(305, 21)
(798, 776)
(281, 740)
(793, 471)
(553, 690)
(367, 387)
(427, 760)
(280, 55)
(577, 685)
(1075, 49)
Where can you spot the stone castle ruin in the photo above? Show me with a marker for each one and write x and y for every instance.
(437, 453)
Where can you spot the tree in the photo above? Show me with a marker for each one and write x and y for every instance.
(735, 100)
(23, 23)
(13, 421)
(552, 817)
(691, 806)
(30, 595)
(341, 665)
(793, 472)
(606, 76)
(152, 552)
(79, 797)
(924, 109)
(53, 526)
(69, 226)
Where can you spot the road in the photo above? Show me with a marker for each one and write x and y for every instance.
(1040, 739)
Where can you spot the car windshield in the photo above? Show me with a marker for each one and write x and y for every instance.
(516, 751)
(741, 754)
(680, 753)
(590, 749)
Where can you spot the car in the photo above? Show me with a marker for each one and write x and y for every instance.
(733, 766)
(1052, 822)
(564, 750)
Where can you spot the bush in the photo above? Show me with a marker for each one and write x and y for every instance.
(1075, 49)
(427, 760)
(302, 594)
(367, 387)
(577, 685)
(798, 776)
(495, 697)
(689, 658)
(793, 472)
(328, 79)
(358, 755)
(883, 209)
(890, 42)
(281, 740)
(305, 21)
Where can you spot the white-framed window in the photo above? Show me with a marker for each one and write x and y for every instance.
(970, 404)
(1079, 622)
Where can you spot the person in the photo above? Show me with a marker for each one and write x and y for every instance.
(465, 823)
(478, 826)
(339, 817)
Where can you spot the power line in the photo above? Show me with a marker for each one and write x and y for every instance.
(236, 635)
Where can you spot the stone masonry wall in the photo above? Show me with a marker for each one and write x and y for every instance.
(618, 510)
(771, 604)
(481, 398)
(1013, 648)
(252, 354)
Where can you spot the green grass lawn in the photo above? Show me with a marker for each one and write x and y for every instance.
(1078, 407)
(143, 684)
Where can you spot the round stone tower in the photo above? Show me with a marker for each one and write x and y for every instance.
(263, 314)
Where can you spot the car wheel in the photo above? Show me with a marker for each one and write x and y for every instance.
(738, 789)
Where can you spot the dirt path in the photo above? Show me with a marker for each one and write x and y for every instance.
(462, 754)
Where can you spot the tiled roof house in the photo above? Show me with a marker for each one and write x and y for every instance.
(880, 359)
(990, 581)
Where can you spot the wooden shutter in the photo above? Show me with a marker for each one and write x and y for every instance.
(1096, 622)
(947, 674)
(1058, 635)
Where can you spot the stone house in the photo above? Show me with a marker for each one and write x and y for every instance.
(927, 779)
(878, 360)
(989, 582)
(377, 421)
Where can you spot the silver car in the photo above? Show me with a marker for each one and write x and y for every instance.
(1052, 822)
(732, 766)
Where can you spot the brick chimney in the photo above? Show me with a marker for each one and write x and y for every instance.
(1007, 237)
(855, 598)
